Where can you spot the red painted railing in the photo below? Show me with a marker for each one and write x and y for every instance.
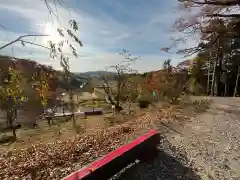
(113, 162)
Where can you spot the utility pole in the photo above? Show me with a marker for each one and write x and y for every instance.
(213, 78)
(236, 84)
(209, 70)
(216, 61)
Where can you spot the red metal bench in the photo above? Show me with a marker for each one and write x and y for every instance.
(142, 148)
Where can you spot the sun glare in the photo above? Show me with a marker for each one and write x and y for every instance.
(51, 30)
(48, 29)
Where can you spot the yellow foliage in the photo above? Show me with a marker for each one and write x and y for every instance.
(10, 92)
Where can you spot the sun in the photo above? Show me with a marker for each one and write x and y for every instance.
(51, 30)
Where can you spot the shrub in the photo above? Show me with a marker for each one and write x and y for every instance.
(6, 139)
(143, 101)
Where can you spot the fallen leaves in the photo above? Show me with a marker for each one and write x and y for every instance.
(58, 158)
(39, 159)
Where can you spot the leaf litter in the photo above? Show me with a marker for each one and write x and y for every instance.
(59, 158)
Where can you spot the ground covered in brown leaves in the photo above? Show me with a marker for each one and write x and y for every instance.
(60, 157)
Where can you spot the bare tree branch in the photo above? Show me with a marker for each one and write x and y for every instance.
(20, 39)
(50, 10)
(224, 15)
(122, 70)
(32, 43)
(213, 2)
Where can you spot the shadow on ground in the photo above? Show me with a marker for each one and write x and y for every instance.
(169, 164)
(163, 167)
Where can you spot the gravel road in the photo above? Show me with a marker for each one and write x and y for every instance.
(205, 147)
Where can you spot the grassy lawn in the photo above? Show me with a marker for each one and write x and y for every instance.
(61, 127)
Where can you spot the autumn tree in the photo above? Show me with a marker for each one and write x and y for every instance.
(213, 8)
(197, 78)
(57, 50)
(169, 82)
(197, 19)
(222, 46)
(11, 96)
(41, 89)
(214, 23)
(167, 65)
(69, 39)
(115, 90)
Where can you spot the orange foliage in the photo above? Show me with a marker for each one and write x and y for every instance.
(29, 68)
(165, 82)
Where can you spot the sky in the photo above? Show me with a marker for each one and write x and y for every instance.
(105, 28)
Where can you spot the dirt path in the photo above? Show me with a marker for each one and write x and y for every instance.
(206, 147)
(211, 140)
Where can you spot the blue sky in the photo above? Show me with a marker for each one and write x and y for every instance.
(106, 27)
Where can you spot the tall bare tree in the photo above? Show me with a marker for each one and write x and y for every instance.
(115, 90)
(213, 23)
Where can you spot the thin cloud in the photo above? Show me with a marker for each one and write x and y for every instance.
(106, 27)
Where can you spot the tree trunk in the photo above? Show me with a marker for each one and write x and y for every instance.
(14, 133)
(208, 80)
(213, 78)
(117, 104)
(49, 121)
(215, 89)
(117, 99)
(72, 108)
(236, 84)
(118, 94)
(130, 104)
(225, 88)
(219, 70)
(225, 84)
(11, 115)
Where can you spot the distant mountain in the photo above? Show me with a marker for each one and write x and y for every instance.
(95, 74)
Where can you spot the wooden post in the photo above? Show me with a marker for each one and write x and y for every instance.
(113, 109)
